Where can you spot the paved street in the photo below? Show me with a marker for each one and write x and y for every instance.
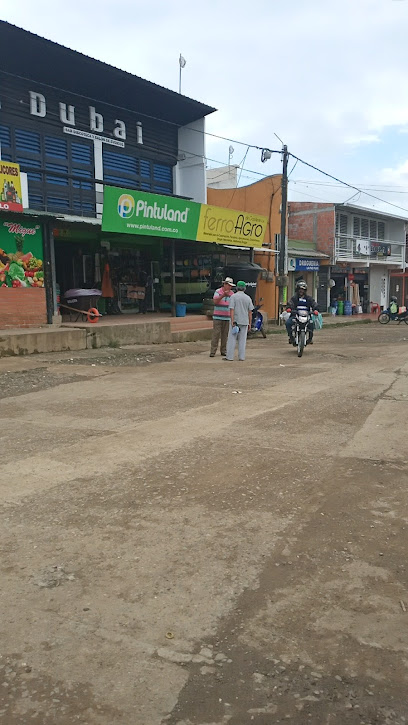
(194, 542)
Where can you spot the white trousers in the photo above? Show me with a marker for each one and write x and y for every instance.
(232, 341)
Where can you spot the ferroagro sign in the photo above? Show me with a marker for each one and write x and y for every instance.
(136, 212)
(227, 226)
(10, 187)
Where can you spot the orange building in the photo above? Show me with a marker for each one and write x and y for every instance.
(263, 197)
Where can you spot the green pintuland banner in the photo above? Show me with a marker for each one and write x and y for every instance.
(138, 212)
(21, 254)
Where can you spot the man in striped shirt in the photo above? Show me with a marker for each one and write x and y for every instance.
(221, 316)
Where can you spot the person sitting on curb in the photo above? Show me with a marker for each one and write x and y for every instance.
(221, 316)
(241, 307)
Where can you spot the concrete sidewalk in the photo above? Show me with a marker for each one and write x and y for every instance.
(128, 330)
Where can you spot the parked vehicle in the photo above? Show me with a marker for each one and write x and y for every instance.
(392, 313)
(257, 324)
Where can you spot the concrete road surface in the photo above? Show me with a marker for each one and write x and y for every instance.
(195, 542)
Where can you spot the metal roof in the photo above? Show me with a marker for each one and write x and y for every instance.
(306, 253)
(368, 212)
(34, 58)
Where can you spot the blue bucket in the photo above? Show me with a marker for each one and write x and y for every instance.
(181, 308)
(347, 308)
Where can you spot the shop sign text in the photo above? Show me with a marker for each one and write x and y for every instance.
(136, 212)
(307, 265)
(38, 107)
(10, 187)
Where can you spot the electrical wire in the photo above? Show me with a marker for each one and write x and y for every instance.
(241, 165)
(138, 113)
(207, 133)
(350, 186)
(166, 149)
(392, 189)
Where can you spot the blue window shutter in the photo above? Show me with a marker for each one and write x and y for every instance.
(5, 136)
(81, 153)
(56, 147)
(162, 173)
(27, 141)
(145, 170)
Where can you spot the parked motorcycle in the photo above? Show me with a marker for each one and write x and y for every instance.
(257, 324)
(300, 330)
(391, 313)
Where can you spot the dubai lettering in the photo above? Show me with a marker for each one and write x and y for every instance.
(38, 107)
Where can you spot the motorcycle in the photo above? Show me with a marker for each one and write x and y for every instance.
(300, 330)
(257, 324)
(386, 316)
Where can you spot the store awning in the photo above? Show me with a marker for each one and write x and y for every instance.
(307, 254)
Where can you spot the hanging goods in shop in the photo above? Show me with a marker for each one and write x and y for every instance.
(107, 289)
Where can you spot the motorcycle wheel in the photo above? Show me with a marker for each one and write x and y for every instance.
(384, 318)
(406, 319)
(301, 343)
(263, 333)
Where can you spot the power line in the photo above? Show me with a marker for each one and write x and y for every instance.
(213, 135)
(136, 113)
(370, 187)
(350, 186)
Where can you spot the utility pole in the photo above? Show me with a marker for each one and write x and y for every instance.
(282, 271)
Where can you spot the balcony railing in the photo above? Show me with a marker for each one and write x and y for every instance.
(352, 249)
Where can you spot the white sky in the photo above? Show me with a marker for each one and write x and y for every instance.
(328, 76)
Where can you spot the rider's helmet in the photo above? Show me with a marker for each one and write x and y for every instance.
(301, 286)
(394, 299)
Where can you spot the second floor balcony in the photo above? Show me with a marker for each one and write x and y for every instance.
(366, 252)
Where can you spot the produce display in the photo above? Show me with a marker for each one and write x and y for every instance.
(19, 268)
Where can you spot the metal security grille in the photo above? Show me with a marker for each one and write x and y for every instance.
(341, 223)
(322, 288)
(365, 228)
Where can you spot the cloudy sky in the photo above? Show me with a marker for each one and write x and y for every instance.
(329, 77)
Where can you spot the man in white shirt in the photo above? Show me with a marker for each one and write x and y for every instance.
(241, 307)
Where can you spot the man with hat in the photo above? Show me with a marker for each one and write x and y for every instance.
(241, 307)
(221, 316)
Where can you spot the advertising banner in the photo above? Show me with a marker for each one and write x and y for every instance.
(10, 187)
(128, 211)
(226, 226)
(138, 212)
(21, 254)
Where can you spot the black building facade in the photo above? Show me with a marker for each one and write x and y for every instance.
(74, 123)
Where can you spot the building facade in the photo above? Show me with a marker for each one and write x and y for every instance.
(263, 197)
(74, 125)
(363, 247)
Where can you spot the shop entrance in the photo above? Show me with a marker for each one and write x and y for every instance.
(126, 276)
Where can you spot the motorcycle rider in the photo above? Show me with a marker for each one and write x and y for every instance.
(300, 301)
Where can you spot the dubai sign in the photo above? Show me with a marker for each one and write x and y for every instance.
(136, 212)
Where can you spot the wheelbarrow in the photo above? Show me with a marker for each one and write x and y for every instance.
(82, 302)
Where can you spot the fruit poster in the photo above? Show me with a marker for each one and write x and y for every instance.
(21, 254)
